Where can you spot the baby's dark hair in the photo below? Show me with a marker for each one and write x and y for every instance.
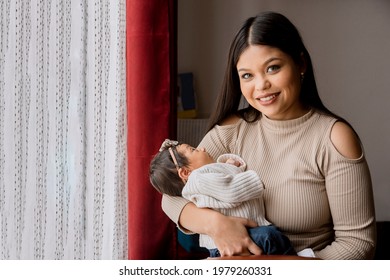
(163, 172)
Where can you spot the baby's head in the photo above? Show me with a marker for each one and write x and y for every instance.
(170, 168)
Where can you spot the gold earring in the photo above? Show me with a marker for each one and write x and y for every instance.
(302, 77)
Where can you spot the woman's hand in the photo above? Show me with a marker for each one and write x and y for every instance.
(231, 236)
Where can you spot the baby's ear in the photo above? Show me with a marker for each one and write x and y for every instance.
(184, 173)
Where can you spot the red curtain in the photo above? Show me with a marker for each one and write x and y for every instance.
(151, 104)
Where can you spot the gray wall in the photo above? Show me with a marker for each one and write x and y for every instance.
(349, 42)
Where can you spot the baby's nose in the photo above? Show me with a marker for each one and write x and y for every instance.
(202, 149)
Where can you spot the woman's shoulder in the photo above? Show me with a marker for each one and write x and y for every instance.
(342, 137)
(222, 138)
(230, 120)
(233, 126)
(345, 140)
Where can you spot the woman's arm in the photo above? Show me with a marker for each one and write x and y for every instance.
(229, 233)
(349, 190)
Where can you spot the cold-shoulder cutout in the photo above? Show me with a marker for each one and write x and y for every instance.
(345, 140)
(232, 119)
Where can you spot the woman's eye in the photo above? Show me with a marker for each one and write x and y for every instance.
(273, 68)
(246, 76)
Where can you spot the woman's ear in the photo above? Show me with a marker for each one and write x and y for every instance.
(184, 173)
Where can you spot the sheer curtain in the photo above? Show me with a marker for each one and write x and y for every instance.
(63, 168)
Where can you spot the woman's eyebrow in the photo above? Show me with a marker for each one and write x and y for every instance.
(243, 69)
(271, 59)
(265, 63)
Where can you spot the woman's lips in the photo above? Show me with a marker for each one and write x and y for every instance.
(268, 99)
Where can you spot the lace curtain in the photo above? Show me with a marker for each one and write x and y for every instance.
(63, 170)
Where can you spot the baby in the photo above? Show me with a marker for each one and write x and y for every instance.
(223, 185)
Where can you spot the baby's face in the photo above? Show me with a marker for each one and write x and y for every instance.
(196, 157)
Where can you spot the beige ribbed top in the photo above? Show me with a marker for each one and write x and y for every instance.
(317, 197)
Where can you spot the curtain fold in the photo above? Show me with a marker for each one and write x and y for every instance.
(151, 106)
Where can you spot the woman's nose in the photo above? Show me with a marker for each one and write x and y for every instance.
(262, 83)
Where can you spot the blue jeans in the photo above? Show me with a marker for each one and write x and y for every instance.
(269, 239)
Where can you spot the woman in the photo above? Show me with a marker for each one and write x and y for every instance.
(317, 183)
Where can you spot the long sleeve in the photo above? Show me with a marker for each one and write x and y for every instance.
(349, 191)
(172, 207)
(221, 185)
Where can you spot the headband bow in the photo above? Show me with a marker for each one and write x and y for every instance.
(168, 144)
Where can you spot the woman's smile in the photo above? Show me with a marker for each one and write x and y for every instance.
(267, 99)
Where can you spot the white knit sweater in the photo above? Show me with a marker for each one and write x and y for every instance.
(227, 189)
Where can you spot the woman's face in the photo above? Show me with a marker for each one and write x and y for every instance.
(270, 82)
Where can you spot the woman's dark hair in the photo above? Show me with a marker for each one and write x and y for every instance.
(163, 174)
(270, 29)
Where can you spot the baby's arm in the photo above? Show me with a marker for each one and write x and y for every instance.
(232, 159)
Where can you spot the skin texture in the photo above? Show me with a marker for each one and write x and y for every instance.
(270, 82)
(345, 141)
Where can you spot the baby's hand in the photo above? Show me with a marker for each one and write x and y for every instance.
(233, 162)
